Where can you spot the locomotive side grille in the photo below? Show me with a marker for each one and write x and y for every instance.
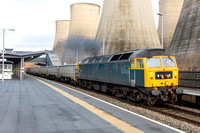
(163, 75)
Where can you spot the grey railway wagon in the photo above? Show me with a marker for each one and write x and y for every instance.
(67, 71)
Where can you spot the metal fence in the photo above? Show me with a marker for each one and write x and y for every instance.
(189, 79)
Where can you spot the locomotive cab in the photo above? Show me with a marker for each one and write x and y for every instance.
(155, 74)
(158, 71)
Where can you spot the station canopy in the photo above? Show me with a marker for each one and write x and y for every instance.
(15, 57)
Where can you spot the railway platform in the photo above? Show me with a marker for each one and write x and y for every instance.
(36, 105)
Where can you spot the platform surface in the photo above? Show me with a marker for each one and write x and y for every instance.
(30, 106)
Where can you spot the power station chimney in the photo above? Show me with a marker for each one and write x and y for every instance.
(62, 31)
(171, 10)
(186, 40)
(127, 25)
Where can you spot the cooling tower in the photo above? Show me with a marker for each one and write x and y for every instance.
(127, 25)
(186, 40)
(84, 20)
(84, 24)
(62, 31)
(171, 10)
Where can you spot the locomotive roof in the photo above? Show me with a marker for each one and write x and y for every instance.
(150, 53)
(125, 56)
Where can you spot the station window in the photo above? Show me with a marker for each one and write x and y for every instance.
(5, 67)
(132, 64)
(9, 66)
(140, 63)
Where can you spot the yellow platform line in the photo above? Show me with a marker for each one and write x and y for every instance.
(109, 118)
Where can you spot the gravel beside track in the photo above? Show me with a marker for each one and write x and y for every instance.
(149, 112)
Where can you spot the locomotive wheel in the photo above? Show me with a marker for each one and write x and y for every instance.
(84, 84)
(151, 100)
(117, 94)
(71, 81)
(131, 97)
(89, 85)
(79, 83)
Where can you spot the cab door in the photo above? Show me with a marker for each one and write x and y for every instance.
(139, 72)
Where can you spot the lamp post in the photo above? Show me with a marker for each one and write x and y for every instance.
(160, 14)
(103, 43)
(4, 52)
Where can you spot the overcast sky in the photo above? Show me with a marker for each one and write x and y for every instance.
(34, 21)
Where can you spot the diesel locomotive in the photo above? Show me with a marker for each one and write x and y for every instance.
(147, 76)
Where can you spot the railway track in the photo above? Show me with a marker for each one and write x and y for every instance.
(191, 116)
(184, 114)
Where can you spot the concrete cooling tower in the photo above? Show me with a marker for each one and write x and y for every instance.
(186, 41)
(84, 24)
(62, 31)
(171, 10)
(84, 20)
(127, 25)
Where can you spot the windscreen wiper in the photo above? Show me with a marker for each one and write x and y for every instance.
(171, 59)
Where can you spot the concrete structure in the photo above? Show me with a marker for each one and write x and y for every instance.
(127, 25)
(84, 20)
(48, 59)
(62, 31)
(52, 58)
(186, 40)
(171, 10)
(84, 23)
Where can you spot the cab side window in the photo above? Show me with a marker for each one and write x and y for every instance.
(132, 64)
(140, 63)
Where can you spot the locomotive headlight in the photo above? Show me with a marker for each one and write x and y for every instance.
(167, 83)
(151, 73)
